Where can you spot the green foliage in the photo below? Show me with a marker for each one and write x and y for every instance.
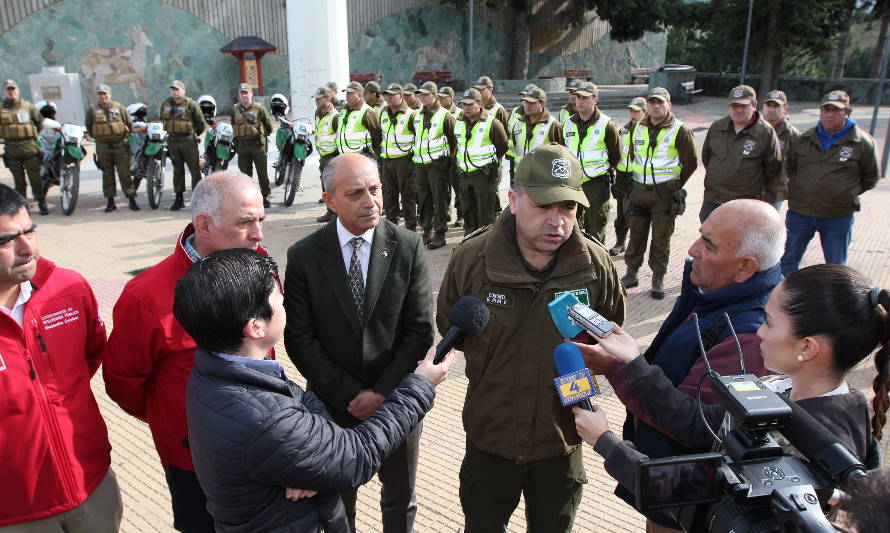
(858, 64)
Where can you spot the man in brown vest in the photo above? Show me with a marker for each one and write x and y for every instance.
(251, 124)
(19, 125)
(184, 122)
(109, 124)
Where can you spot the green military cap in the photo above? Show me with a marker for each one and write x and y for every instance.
(354, 87)
(245, 87)
(551, 174)
(372, 87)
(484, 82)
(527, 88)
(572, 85)
(103, 88)
(10, 84)
(428, 88)
(742, 95)
(535, 94)
(471, 96)
(321, 92)
(409, 88)
(637, 104)
(177, 84)
(446, 91)
(838, 99)
(586, 88)
(659, 93)
(331, 85)
(777, 97)
(394, 88)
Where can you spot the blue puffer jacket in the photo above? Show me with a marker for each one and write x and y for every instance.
(252, 435)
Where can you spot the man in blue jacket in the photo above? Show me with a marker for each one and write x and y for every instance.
(254, 434)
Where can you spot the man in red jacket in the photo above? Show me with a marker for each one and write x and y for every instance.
(56, 469)
(149, 356)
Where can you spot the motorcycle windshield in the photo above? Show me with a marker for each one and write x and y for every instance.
(280, 138)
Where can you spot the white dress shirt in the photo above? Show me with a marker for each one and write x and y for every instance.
(364, 253)
(18, 308)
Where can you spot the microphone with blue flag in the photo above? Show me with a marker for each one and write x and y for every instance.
(575, 384)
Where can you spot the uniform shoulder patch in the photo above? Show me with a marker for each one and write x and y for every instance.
(476, 233)
(594, 239)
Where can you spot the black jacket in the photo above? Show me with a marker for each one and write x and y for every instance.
(252, 435)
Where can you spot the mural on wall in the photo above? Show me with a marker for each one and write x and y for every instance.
(117, 66)
(434, 57)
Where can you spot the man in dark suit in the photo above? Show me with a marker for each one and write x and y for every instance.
(359, 317)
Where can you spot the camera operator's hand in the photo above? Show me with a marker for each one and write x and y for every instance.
(434, 373)
(590, 424)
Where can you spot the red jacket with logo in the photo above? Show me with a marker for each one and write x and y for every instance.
(148, 357)
(53, 439)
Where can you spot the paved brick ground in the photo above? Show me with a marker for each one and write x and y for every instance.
(107, 248)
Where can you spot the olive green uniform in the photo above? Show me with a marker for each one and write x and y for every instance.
(454, 176)
(19, 126)
(621, 189)
(251, 125)
(520, 438)
(397, 173)
(657, 205)
(432, 179)
(788, 135)
(110, 126)
(479, 188)
(184, 122)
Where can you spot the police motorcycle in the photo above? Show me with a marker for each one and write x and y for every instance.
(63, 150)
(219, 141)
(148, 144)
(294, 147)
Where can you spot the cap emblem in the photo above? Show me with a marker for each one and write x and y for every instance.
(775, 94)
(737, 93)
(560, 168)
(834, 96)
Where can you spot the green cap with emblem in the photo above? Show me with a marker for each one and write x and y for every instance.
(331, 85)
(177, 84)
(535, 94)
(372, 87)
(572, 85)
(551, 174)
(471, 96)
(838, 99)
(446, 91)
(245, 88)
(393, 88)
(410, 88)
(484, 82)
(587, 89)
(428, 88)
(777, 97)
(103, 88)
(321, 92)
(10, 83)
(742, 95)
(354, 87)
(659, 93)
(637, 104)
(526, 89)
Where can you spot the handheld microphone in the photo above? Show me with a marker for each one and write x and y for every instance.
(468, 318)
(574, 385)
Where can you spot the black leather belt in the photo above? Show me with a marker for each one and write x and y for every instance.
(113, 144)
(250, 141)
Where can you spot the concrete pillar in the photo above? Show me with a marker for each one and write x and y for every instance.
(318, 50)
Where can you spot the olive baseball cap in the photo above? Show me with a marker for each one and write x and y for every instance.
(177, 84)
(322, 92)
(245, 87)
(372, 87)
(526, 89)
(586, 88)
(354, 87)
(10, 84)
(838, 99)
(484, 82)
(551, 174)
(659, 93)
(428, 88)
(446, 91)
(777, 97)
(471, 96)
(572, 85)
(535, 94)
(331, 85)
(637, 104)
(409, 88)
(103, 88)
(743, 95)
(393, 88)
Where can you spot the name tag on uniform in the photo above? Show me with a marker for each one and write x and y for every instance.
(576, 386)
(570, 134)
(499, 298)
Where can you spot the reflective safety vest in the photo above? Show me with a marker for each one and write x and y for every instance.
(176, 117)
(591, 150)
(515, 115)
(352, 135)
(108, 122)
(379, 109)
(625, 163)
(430, 142)
(397, 138)
(565, 114)
(522, 143)
(493, 112)
(325, 135)
(660, 161)
(474, 148)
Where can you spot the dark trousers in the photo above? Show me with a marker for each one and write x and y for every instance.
(189, 503)
(252, 152)
(183, 151)
(25, 158)
(115, 157)
(454, 181)
(490, 487)
(432, 197)
(397, 475)
(398, 183)
(596, 216)
(650, 208)
(621, 191)
(479, 192)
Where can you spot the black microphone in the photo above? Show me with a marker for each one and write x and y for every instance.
(819, 445)
(468, 318)
(568, 360)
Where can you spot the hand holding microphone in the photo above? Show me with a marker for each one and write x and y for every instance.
(468, 318)
(590, 425)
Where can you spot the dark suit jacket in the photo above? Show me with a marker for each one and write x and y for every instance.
(323, 337)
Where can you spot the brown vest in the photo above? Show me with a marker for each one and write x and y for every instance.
(108, 123)
(176, 117)
(15, 122)
(247, 123)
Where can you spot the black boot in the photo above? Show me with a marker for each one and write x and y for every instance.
(41, 206)
(133, 205)
(178, 203)
(109, 207)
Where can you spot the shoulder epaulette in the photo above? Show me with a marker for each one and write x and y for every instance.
(476, 233)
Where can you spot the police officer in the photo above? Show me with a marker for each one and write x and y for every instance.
(741, 155)
(568, 110)
(516, 112)
(480, 143)
(433, 146)
(326, 120)
(446, 100)
(373, 98)
(332, 90)
(19, 126)
(494, 108)
(251, 125)
(358, 129)
(109, 124)
(520, 438)
(184, 122)
(409, 92)
(775, 112)
(534, 127)
(397, 130)
(637, 111)
(663, 155)
(593, 137)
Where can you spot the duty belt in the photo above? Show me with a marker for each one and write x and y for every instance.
(111, 144)
(646, 187)
(250, 141)
(17, 142)
(473, 172)
(180, 138)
